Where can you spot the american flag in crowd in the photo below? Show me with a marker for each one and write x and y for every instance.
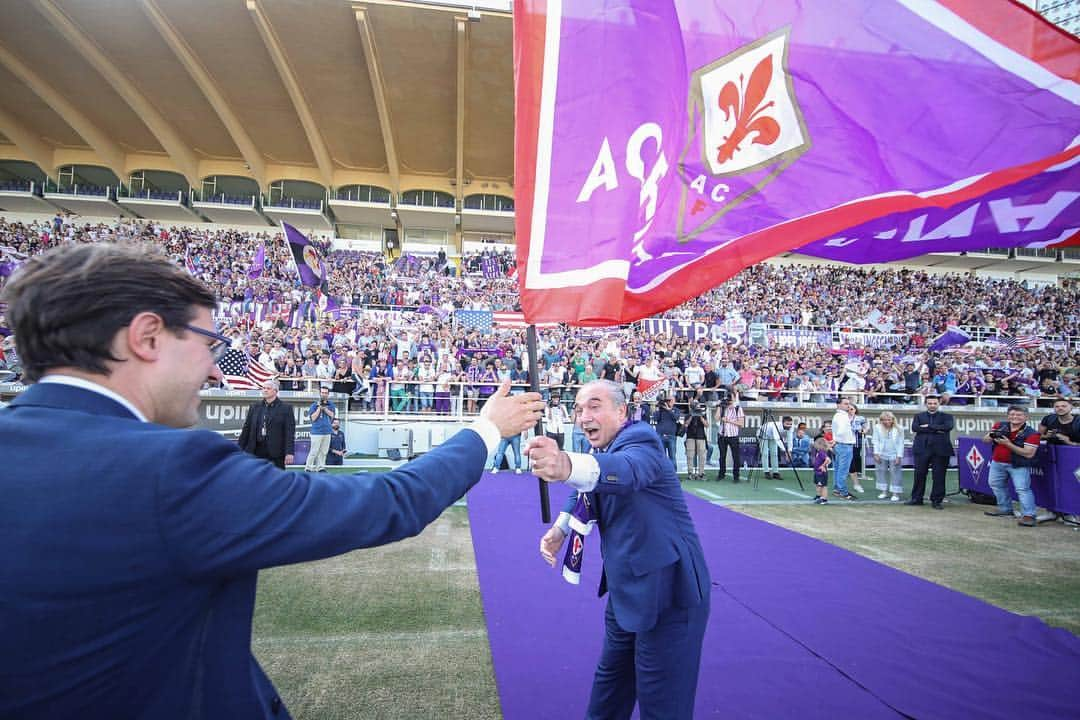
(485, 320)
(474, 320)
(242, 372)
(516, 320)
(1023, 341)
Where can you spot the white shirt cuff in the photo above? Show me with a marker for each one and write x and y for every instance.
(487, 432)
(563, 522)
(584, 472)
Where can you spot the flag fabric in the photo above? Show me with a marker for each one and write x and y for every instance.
(243, 372)
(258, 263)
(952, 336)
(326, 304)
(474, 320)
(1016, 342)
(1023, 342)
(854, 130)
(516, 320)
(651, 390)
(306, 258)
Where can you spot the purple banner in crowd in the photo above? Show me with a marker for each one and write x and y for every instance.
(1055, 480)
(728, 132)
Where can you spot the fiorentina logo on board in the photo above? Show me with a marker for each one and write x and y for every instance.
(745, 122)
(974, 459)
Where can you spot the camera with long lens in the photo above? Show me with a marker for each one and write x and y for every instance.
(697, 408)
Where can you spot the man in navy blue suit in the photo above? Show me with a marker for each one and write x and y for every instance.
(131, 544)
(654, 570)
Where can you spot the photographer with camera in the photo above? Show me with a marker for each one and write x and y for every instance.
(729, 419)
(696, 433)
(1060, 427)
(322, 414)
(668, 420)
(1015, 444)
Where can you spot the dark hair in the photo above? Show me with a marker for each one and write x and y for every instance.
(65, 306)
(1017, 408)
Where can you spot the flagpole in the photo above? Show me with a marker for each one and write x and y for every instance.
(534, 385)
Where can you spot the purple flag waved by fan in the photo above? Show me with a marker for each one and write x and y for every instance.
(951, 337)
(258, 263)
(309, 263)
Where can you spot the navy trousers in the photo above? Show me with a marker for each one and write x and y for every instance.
(657, 668)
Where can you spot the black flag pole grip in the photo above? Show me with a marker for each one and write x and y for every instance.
(534, 385)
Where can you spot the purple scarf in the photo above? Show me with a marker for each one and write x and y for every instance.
(582, 521)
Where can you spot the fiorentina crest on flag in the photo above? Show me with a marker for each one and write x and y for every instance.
(663, 145)
(745, 121)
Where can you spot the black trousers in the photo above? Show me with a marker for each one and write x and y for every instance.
(723, 443)
(260, 452)
(938, 464)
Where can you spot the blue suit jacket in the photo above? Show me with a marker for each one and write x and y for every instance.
(652, 556)
(131, 551)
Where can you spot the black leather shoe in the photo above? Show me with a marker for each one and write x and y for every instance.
(998, 513)
(914, 502)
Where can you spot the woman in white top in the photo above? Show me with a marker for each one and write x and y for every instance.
(888, 456)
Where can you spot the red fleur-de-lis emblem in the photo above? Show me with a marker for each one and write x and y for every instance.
(744, 103)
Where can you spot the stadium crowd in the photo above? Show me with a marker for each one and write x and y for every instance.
(392, 341)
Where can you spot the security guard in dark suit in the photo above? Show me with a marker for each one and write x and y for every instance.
(270, 428)
(932, 448)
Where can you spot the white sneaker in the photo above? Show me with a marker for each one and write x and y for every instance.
(894, 498)
(882, 496)
(518, 471)
(858, 488)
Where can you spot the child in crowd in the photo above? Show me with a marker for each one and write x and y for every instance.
(821, 471)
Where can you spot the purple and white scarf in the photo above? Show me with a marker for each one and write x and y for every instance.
(582, 521)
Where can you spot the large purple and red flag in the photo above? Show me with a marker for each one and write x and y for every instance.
(663, 145)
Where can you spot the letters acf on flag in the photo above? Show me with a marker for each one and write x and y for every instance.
(727, 133)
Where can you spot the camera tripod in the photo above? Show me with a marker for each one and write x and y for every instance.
(768, 416)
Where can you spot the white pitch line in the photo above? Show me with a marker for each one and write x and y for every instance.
(365, 638)
(792, 492)
(710, 495)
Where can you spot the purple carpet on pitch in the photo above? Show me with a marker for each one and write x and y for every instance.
(798, 628)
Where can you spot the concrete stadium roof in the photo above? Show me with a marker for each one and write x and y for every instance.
(399, 95)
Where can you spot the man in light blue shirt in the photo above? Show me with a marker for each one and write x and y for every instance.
(322, 414)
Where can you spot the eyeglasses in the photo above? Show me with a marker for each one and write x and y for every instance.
(219, 347)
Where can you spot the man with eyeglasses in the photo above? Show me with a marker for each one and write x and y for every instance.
(132, 544)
